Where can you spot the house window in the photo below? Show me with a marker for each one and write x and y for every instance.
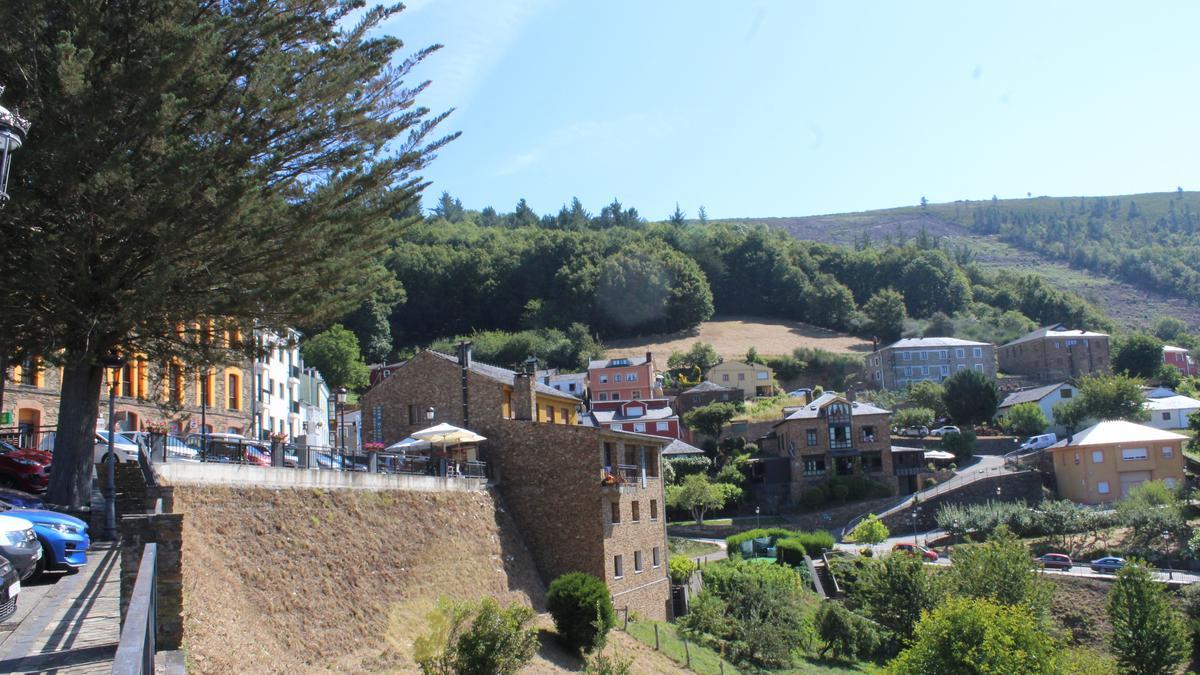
(639, 427)
(603, 379)
(615, 508)
(924, 356)
(907, 356)
(979, 367)
(234, 391)
(1102, 487)
(1065, 393)
(762, 375)
(653, 509)
(868, 434)
(1169, 482)
(637, 562)
(635, 411)
(960, 352)
(618, 427)
(656, 559)
(617, 377)
(571, 386)
(741, 376)
(637, 512)
(1166, 416)
(814, 467)
(945, 370)
(1097, 457)
(1130, 454)
(618, 567)
(661, 426)
(977, 352)
(566, 417)
(812, 436)
(962, 366)
(1168, 451)
(724, 377)
(636, 394)
(550, 414)
(631, 377)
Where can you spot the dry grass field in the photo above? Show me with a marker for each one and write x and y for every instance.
(733, 336)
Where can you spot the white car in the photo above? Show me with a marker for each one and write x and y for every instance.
(1037, 442)
(942, 431)
(124, 447)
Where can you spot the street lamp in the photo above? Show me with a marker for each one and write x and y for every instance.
(956, 532)
(997, 492)
(430, 413)
(915, 516)
(340, 398)
(13, 129)
(1166, 535)
(757, 520)
(112, 365)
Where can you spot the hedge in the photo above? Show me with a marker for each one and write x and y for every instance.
(733, 543)
(805, 542)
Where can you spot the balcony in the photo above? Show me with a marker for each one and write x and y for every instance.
(624, 477)
(294, 372)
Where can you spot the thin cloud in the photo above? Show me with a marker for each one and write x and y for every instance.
(616, 132)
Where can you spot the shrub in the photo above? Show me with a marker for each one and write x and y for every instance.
(790, 552)
(845, 633)
(499, 640)
(681, 568)
(870, 531)
(574, 599)
(765, 612)
(961, 444)
(733, 543)
(812, 497)
(814, 542)
(686, 466)
(969, 635)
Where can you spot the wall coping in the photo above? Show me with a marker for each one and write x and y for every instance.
(283, 477)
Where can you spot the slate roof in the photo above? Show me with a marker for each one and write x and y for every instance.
(707, 386)
(607, 363)
(657, 414)
(505, 376)
(1177, 402)
(678, 448)
(1055, 331)
(1029, 395)
(812, 410)
(909, 343)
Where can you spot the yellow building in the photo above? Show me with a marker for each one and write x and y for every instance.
(1104, 462)
(754, 379)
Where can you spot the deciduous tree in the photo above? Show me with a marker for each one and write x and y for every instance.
(1149, 637)
(335, 354)
(1025, 419)
(971, 397)
(886, 313)
(1138, 355)
(711, 418)
(223, 160)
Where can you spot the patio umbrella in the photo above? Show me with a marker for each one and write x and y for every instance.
(407, 444)
(447, 434)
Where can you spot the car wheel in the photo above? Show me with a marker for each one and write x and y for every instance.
(8, 482)
(41, 564)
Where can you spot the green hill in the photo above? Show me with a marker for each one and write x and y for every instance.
(1135, 256)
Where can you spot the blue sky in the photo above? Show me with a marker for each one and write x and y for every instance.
(790, 108)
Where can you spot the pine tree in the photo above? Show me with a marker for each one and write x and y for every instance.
(678, 218)
(702, 216)
(229, 160)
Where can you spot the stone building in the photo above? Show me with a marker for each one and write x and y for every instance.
(834, 436)
(1056, 353)
(588, 499)
(754, 379)
(431, 388)
(931, 359)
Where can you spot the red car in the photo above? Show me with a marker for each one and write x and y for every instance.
(914, 549)
(24, 468)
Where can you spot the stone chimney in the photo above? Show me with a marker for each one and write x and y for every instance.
(524, 402)
(649, 357)
(464, 355)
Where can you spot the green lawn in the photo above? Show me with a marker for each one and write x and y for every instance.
(704, 660)
(767, 521)
(689, 548)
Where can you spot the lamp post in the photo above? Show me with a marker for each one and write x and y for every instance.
(757, 520)
(341, 420)
(956, 532)
(430, 413)
(916, 516)
(13, 129)
(112, 365)
(1166, 535)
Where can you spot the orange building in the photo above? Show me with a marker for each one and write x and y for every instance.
(1102, 463)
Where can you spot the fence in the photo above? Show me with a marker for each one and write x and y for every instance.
(135, 651)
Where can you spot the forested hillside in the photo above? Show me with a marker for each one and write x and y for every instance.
(615, 275)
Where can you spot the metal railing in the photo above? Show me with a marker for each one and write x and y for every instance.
(135, 651)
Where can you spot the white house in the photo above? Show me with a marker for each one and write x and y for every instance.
(1171, 412)
(1045, 397)
(316, 407)
(575, 384)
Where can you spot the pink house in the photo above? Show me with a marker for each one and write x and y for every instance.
(644, 416)
(624, 379)
(1180, 359)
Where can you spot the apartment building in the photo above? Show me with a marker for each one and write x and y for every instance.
(316, 409)
(644, 416)
(276, 405)
(586, 499)
(834, 436)
(933, 359)
(1056, 353)
(1102, 463)
(624, 378)
(754, 379)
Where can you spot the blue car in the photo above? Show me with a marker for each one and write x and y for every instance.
(64, 539)
(20, 499)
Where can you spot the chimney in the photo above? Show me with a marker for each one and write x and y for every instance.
(524, 403)
(850, 395)
(649, 357)
(464, 355)
(464, 366)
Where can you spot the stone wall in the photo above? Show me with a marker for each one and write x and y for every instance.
(166, 530)
(1025, 486)
(984, 445)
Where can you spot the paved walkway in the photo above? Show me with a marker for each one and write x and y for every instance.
(67, 624)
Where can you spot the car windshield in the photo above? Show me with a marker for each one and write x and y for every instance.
(6, 447)
(119, 438)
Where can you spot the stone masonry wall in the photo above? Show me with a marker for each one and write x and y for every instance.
(166, 530)
(1025, 487)
(549, 476)
(428, 380)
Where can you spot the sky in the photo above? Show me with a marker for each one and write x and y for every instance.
(757, 109)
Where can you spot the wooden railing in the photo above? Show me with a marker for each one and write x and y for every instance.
(135, 651)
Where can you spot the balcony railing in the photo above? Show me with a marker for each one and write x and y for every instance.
(622, 474)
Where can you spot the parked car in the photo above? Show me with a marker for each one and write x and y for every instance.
(229, 448)
(917, 432)
(20, 499)
(1037, 442)
(64, 539)
(1058, 561)
(1108, 564)
(916, 549)
(10, 588)
(177, 449)
(20, 545)
(942, 431)
(124, 447)
(24, 468)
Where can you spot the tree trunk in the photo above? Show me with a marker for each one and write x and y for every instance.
(74, 442)
(3, 381)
